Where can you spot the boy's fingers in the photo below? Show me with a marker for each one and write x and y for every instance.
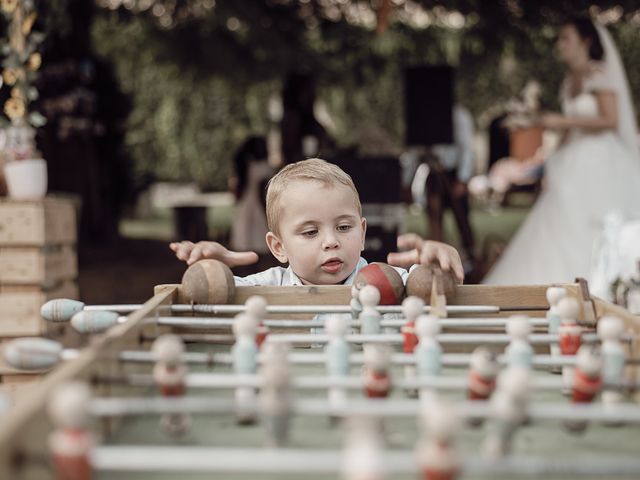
(234, 259)
(451, 261)
(409, 241)
(443, 259)
(403, 259)
(196, 254)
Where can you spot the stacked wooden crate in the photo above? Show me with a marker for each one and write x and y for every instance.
(38, 262)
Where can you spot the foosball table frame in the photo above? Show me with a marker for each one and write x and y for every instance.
(24, 430)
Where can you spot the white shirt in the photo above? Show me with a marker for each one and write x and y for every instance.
(280, 276)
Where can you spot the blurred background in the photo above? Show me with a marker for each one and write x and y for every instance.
(149, 105)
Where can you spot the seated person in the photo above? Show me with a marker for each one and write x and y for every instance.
(316, 226)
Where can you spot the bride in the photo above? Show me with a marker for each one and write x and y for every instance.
(596, 169)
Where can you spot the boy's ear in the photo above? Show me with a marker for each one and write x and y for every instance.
(364, 231)
(276, 247)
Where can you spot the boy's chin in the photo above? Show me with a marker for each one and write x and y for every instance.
(326, 279)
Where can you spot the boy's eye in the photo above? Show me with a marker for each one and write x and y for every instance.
(344, 228)
(309, 233)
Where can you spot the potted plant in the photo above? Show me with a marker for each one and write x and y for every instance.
(24, 170)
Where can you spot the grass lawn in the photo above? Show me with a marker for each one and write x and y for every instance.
(489, 226)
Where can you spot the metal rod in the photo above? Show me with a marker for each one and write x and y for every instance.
(319, 358)
(443, 338)
(209, 322)
(547, 411)
(233, 309)
(322, 461)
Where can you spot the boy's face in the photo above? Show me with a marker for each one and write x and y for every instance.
(321, 232)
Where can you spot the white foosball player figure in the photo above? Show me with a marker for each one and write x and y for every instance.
(369, 318)
(428, 353)
(256, 309)
(587, 382)
(569, 335)
(276, 394)
(377, 380)
(356, 306)
(508, 411)
(412, 308)
(244, 354)
(437, 458)
(337, 353)
(71, 441)
(169, 374)
(610, 329)
(363, 449)
(554, 295)
(483, 370)
(519, 352)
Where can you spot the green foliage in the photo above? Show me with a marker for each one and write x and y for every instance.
(202, 85)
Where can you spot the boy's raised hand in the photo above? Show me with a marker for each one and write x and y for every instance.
(426, 252)
(192, 252)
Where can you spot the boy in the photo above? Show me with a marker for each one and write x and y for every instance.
(316, 225)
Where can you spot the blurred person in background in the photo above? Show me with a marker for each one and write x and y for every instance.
(252, 171)
(595, 170)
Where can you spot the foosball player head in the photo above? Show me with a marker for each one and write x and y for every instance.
(386, 279)
(568, 308)
(369, 297)
(412, 307)
(208, 282)
(610, 329)
(420, 282)
(555, 294)
(427, 328)
(336, 326)
(168, 349)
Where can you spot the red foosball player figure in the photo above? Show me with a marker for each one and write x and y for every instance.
(412, 308)
(169, 374)
(256, 308)
(436, 454)
(569, 332)
(483, 370)
(377, 382)
(587, 382)
(71, 442)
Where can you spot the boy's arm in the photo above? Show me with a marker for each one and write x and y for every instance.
(426, 252)
(192, 252)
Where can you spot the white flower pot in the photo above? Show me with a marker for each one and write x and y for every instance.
(26, 179)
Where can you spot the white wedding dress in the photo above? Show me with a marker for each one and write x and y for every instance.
(591, 174)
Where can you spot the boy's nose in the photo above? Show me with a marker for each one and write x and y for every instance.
(330, 242)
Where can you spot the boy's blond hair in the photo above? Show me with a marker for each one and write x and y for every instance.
(312, 169)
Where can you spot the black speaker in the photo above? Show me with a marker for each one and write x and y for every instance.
(428, 96)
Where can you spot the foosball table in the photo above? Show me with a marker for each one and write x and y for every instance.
(208, 380)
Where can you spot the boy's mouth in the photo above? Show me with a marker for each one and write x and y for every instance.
(333, 265)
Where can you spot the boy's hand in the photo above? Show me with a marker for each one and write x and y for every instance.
(192, 252)
(426, 252)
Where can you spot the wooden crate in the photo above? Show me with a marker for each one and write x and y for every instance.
(20, 308)
(51, 221)
(44, 266)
